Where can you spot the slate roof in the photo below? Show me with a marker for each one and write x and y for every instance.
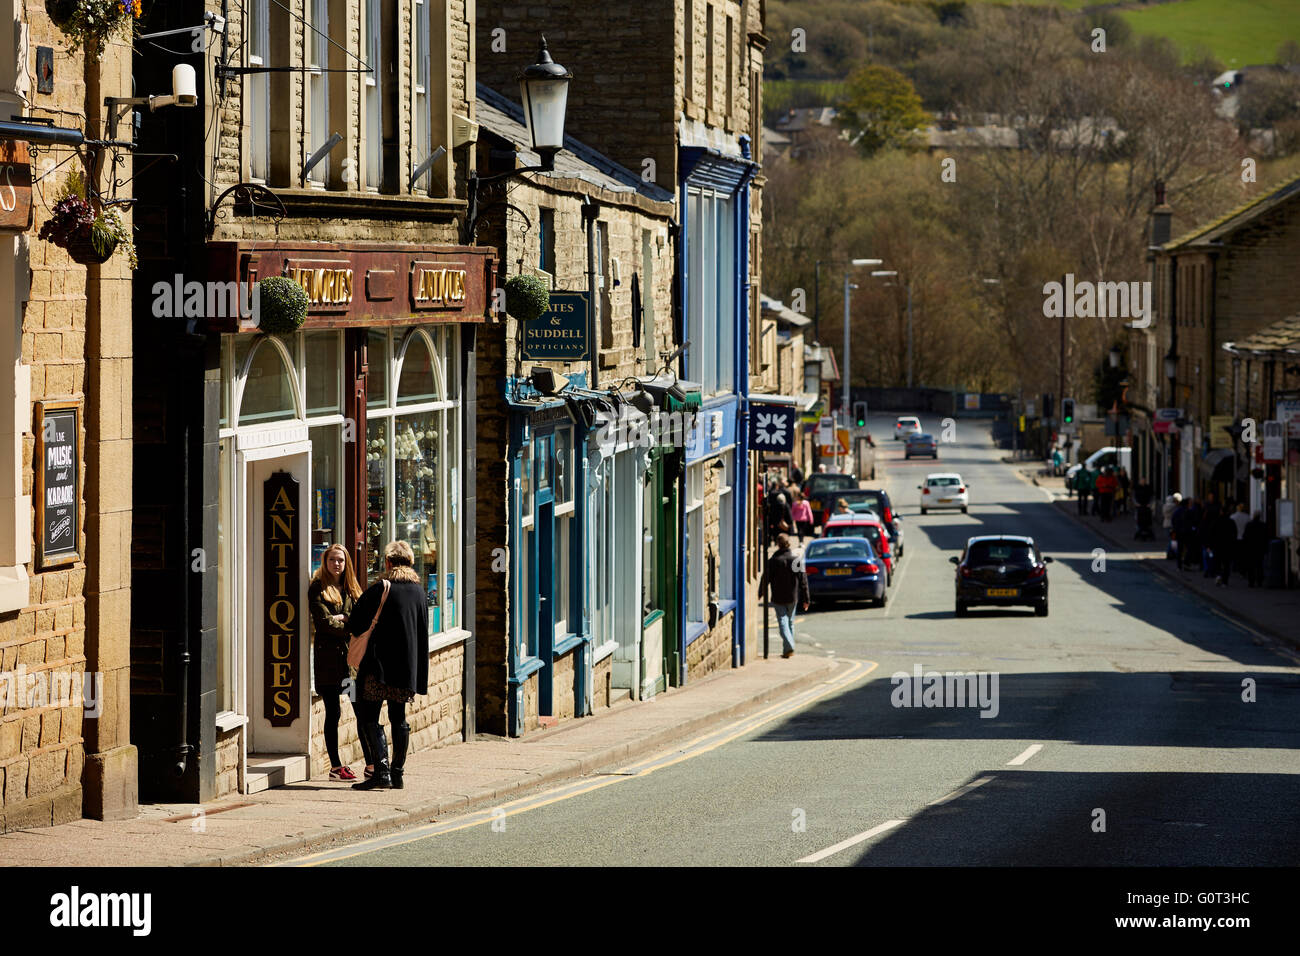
(1233, 220)
(1282, 336)
(505, 118)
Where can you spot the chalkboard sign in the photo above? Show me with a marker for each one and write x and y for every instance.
(58, 468)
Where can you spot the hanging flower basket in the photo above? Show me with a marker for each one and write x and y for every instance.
(527, 298)
(281, 305)
(89, 23)
(90, 236)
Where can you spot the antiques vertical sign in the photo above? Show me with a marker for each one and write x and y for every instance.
(281, 668)
(58, 468)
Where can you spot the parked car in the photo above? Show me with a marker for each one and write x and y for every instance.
(872, 501)
(946, 490)
(905, 426)
(820, 491)
(864, 526)
(845, 568)
(1111, 455)
(1001, 570)
(921, 444)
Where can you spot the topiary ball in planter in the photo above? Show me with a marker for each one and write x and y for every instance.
(281, 305)
(527, 298)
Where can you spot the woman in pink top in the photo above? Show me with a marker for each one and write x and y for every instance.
(803, 516)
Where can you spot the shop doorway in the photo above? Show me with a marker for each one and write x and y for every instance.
(276, 547)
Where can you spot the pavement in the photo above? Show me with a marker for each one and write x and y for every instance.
(1273, 611)
(452, 780)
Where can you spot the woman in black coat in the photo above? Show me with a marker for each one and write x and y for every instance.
(396, 664)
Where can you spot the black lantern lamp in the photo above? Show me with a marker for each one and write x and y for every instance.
(544, 89)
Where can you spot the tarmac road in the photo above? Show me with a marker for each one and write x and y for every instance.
(1117, 732)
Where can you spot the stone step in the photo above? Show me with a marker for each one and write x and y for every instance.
(275, 770)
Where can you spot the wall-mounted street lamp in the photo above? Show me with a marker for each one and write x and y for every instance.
(544, 87)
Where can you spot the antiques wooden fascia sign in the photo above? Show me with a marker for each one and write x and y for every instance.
(15, 187)
(355, 284)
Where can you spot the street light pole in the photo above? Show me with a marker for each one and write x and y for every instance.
(909, 331)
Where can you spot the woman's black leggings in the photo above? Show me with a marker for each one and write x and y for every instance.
(333, 711)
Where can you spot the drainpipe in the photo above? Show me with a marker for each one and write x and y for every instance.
(590, 210)
(183, 747)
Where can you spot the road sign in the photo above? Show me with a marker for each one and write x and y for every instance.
(1274, 443)
(1163, 420)
(839, 444)
(826, 432)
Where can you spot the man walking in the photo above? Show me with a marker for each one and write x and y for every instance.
(1254, 542)
(1106, 485)
(785, 578)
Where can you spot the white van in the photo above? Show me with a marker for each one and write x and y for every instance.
(1099, 459)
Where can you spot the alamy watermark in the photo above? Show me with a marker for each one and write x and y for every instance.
(947, 689)
(179, 299)
(1098, 300)
(46, 688)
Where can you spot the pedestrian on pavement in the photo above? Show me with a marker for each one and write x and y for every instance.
(1224, 545)
(779, 517)
(1180, 530)
(1254, 545)
(787, 583)
(1122, 494)
(801, 511)
(796, 475)
(1106, 486)
(821, 469)
(1171, 505)
(394, 666)
(1193, 527)
(330, 597)
(1143, 492)
(1082, 484)
(1056, 461)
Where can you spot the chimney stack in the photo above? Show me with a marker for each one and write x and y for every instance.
(1160, 217)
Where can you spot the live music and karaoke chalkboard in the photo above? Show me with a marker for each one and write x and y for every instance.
(58, 469)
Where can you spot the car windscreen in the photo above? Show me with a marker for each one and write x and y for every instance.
(1015, 553)
(872, 499)
(823, 483)
(869, 531)
(934, 482)
(825, 548)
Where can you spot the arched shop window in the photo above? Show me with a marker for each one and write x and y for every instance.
(413, 461)
(265, 384)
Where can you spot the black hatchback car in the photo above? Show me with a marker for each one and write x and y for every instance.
(1002, 570)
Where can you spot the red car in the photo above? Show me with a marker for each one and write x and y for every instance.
(863, 526)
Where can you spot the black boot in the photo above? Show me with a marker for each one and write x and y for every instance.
(379, 750)
(401, 739)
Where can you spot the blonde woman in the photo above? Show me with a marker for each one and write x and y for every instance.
(395, 665)
(330, 597)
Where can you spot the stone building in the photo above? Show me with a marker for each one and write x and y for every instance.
(675, 99)
(1223, 295)
(65, 477)
(578, 568)
(331, 146)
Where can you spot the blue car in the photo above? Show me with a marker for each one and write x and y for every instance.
(844, 569)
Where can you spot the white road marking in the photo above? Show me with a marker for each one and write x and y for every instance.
(960, 791)
(1029, 752)
(851, 841)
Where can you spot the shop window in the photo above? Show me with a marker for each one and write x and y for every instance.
(726, 527)
(377, 432)
(380, 94)
(226, 657)
(377, 368)
(526, 482)
(322, 376)
(604, 287)
(417, 382)
(711, 300)
(268, 393)
(449, 486)
(563, 467)
(327, 490)
(417, 468)
(694, 570)
(421, 120)
(546, 240)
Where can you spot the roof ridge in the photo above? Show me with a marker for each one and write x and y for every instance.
(1276, 191)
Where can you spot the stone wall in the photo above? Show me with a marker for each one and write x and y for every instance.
(68, 624)
(601, 683)
(230, 777)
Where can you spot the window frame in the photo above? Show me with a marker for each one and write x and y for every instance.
(316, 46)
(257, 91)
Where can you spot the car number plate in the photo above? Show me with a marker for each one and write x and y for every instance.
(839, 571)
(1004, 592)
(945, 501)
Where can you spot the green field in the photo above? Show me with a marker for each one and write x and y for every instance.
(1238, 32)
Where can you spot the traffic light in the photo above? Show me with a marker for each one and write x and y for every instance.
(860, 414)
(1067, 411)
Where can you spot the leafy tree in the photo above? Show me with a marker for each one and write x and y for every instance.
(880, 108)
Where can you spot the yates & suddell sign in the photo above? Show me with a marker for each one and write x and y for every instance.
(560, 333)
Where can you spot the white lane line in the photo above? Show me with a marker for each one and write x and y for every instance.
(851, 841)
(1029, 752)
(898, 583)
(961, 791)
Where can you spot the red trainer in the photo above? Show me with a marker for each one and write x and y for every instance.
(342, 773)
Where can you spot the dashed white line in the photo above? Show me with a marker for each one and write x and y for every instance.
(851, 841)
(961, 791)
(1029, 752)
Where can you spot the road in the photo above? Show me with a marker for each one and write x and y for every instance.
(1120, 736)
